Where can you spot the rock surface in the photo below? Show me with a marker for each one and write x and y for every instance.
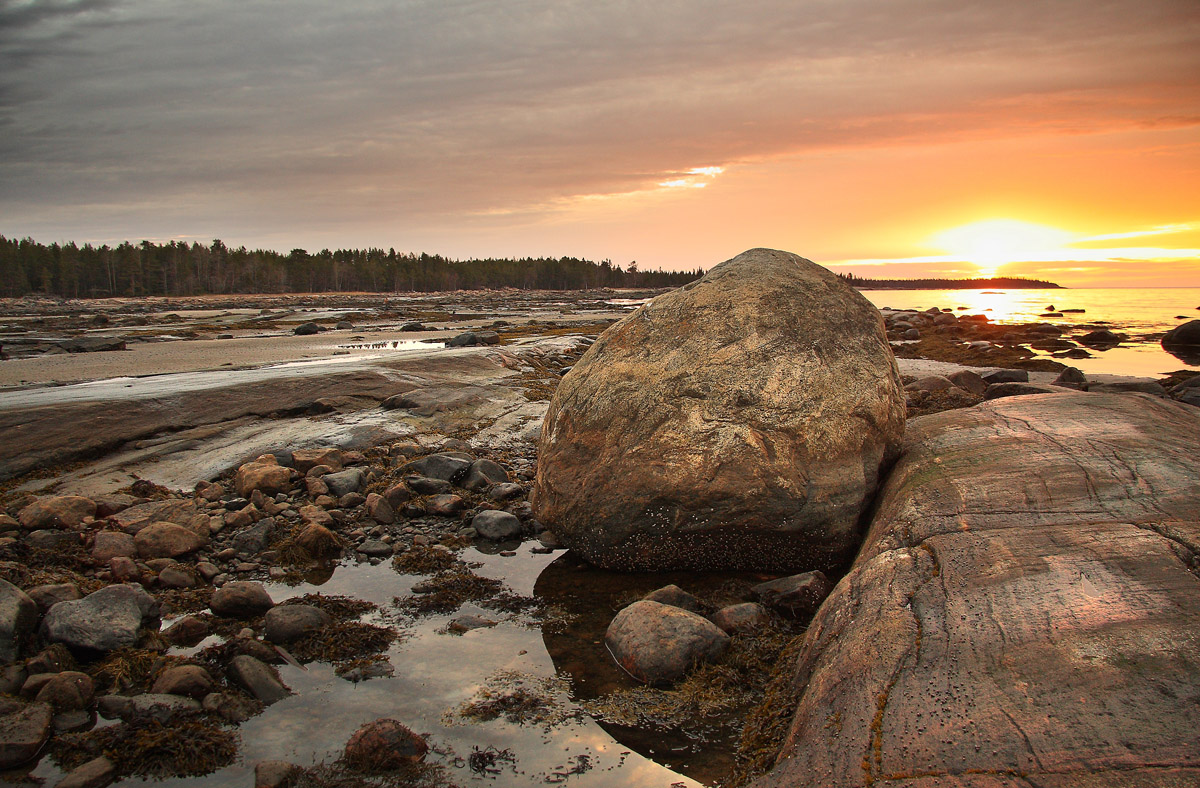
(23, 733)
(739, 422)
(659, 643)
(18, 618)
(104, 620)
(1023, 611)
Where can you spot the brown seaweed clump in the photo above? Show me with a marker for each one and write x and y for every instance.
(186, 745)
(341, 775)
(446, 591)
(343, 641)
(424, 561)
(519, 698)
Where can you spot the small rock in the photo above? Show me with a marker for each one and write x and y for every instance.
(1006, 376)
(424, 485)
(384, 744)
(304, 460)
(505, 491)
(191, 681)
(968, 381)
(446, 505)
(999, 390)
(167, 540)
(318, 541)
(159, 706)
(797, 595)
(109, 544)
(177, 577)
(273, 774)
(231, 706)
(264, 473)
(496, 525)
(18, 618)
(344, 482)
(69, 690)
(23, 733)
(135, 518)
(187, 631)
(397, 495)
(306, 329)
(123, 568)
(48, 596)
(375, 548)
(380, 509)
(482, 474)
(467, 623)
(447, 467)
(658, 643)
(676, 597)
(241, 599)
(96, 773)
(52, 540)
(258, 678)
(744, 617)
(55, 658)
(108, 505)
(286, 623)
(253, 540)
(113, 707)
(1071, 378)
(63, 511)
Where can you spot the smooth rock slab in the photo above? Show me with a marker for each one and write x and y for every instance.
(1025, 604)
(658, 643)
(739, 422)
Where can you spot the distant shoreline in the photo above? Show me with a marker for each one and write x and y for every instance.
(1001, 283)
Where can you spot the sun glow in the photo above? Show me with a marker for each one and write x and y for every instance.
(991, 244)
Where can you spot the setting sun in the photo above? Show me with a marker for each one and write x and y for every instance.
(991, 244)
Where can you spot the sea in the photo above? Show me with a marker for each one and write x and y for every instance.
(1142, 313)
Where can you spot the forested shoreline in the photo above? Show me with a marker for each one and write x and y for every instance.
(177, 268)
(181, 269)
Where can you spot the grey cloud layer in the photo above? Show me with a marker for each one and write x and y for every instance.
(306, 111)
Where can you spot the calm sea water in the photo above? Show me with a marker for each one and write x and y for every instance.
(1142, 313)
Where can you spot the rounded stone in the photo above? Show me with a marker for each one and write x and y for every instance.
(658, 643)
(496, 525)
(384, 744)
(241, 599)
(286, 623)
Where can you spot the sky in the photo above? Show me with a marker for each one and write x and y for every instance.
(888, 138)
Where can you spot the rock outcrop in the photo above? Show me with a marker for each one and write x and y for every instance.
(1024, 609)
(739, 422)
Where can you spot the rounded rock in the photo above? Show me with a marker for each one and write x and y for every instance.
(658, 643)
(241, 599)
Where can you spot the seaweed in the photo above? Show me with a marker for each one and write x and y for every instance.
(342, 641)
(446, 591)
(187, 744)
(341, 775)
(519, 698)
(423, 561)
(339, 607)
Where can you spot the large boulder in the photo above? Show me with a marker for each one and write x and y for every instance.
(1023, 611)
(167, 540)
(62, 511)
(740, 422)
(1184, 335)
(264, 474)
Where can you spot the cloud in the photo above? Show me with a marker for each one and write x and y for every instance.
(427, 111)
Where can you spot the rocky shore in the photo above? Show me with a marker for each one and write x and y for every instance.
(1017, 606)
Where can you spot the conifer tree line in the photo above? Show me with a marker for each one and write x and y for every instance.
(181, 269)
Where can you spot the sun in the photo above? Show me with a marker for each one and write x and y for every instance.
(990, 244)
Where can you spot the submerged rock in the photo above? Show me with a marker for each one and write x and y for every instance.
(658, 643)
(1023, 611)
(739, 422)
(384, 744)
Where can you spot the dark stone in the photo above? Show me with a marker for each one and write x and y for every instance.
(18, 618)
(1006, 376)
(674, 596)
(1152, 387)
(384, 744)
(284, 624)
(798, 596)
(741, 618)
(345, 482)
(241, 599)
(445, 505)
(187, 631)
(998, 390)
(1185, 335)
(254, 539)
(505, 492)
(1100, 338)
(258, 678)
(447, 467)
(306, 329)
(423, 485)
(483, 473)
(96, 773)
(23, 733)
(1071, 378)
(192, 681)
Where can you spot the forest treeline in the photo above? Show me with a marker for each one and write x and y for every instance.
(995, 282)
(181, 269)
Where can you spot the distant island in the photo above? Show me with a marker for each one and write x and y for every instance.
(178, 268)
(994, 283)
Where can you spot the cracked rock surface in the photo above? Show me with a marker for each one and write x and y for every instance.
(1025, 610)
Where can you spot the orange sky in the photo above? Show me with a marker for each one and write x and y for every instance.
(858, 133)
